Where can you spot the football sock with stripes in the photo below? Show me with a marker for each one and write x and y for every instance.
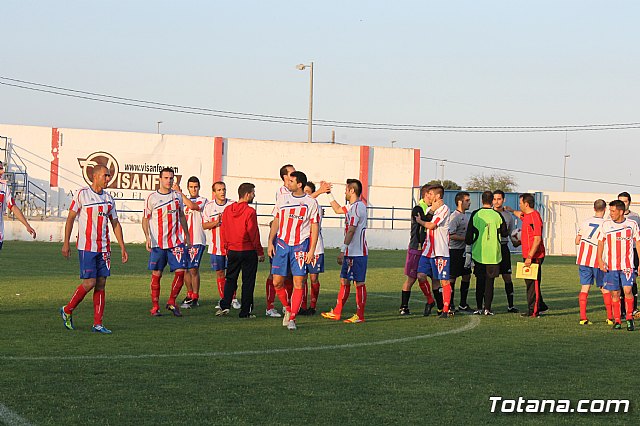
(220, 282)
(446, 297)
(361, 300)
(288, 285)
(343, 296)
(77, 297)
(98, 306)
(629, 304)
(582, 299)
(616, 310)
(296, 302)
(426, 290)
(607, 305)
(315, 292)
(282, 296)
(155, 291)
(176, 286)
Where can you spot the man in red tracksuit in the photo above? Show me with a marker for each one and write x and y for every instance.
(242, 242)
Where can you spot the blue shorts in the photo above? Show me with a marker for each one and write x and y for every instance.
(218, 262)
(615, 280)
(195, 254)
(435, 267)
(289, 260)
(176, 258)
(588, 275)
(317, 265)
(354, 268)
(94, 265)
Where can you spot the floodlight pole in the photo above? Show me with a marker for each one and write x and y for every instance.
(301, 67)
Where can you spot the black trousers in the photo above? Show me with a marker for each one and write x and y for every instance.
(534, 295)
(247, 262)
(485, 279)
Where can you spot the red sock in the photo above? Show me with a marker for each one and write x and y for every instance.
(176, 286)
(616, 310)
(361, 300)
(155, 291)
(296, 302)
(271, 294)
(77, 297)
(582, 298)
(282, 295)
(343, 296)
(220, 282)
(98, 306)
(315, 292)
(189, 295)
(426, 290)
(446, 297)
(607, 304)
(629, 305)
(305, 294)
(288, 285)
(195, 296)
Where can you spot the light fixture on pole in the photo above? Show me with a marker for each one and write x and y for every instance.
(564, 170)
(159, 123)
(302, 67)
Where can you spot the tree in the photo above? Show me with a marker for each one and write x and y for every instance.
(482, 182)
(447, 184)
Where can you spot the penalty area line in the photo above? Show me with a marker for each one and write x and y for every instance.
(11, 418)
(474, 321)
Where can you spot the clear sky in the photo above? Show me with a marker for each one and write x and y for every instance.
(456, 63)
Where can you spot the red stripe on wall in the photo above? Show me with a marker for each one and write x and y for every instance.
(55, 150)
(416, 167)
(218, 152)
(364, 172)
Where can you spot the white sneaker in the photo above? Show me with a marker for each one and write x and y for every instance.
(292, 325)
(235, 304)
(285, 318)
(217, 306)
(273, 313)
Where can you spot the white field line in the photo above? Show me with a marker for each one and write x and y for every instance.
(11, 418)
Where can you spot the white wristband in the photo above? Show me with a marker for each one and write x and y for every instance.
(343, 248)
(331, 197)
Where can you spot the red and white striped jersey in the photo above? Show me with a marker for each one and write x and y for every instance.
(94, 211)
(212, 210)
(436, 243)
(619, 240)
(194, 221)
(163, 212)
(283, 190)
(357, 216)
(6, 203)
(296, 214)
(588, 246)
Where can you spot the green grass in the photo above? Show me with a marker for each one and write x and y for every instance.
(441, 379)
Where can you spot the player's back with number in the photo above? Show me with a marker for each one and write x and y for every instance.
(588, 246)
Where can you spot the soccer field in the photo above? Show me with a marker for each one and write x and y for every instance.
(202, 369)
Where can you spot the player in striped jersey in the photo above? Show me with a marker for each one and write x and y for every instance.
(8, 203)
(162, 224)
(353, 253)
(616, 238)
(212, 220)
(625, 197)
(285, 172)
(295, 225)
(95, 208)
(193, 205)
(435, 260)
(587, 261)
(316, 267)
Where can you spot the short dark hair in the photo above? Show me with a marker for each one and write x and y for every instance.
(356, 185)
(311, 186)
(244, 189)
(460, 196)
(284, 170)
(168, 170)
(438, 189)
(487, 197)
(529, 199)
(194, 179)
(619, 205)
(213, 187)
(424, 189)
(300, 178)
(600, 205)
(499, 192)
(625, 194)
